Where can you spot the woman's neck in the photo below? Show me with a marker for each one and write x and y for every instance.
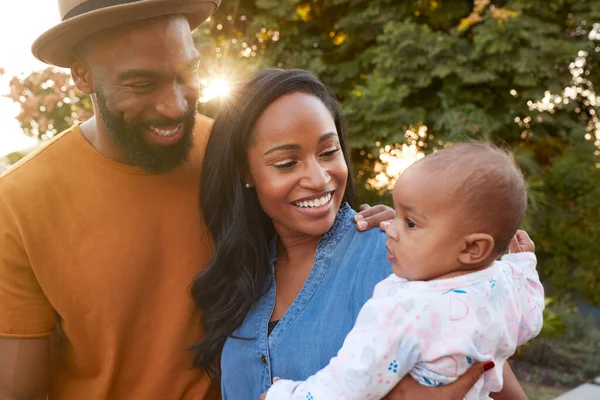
(293, 249)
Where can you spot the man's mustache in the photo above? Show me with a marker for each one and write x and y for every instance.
(168, 121)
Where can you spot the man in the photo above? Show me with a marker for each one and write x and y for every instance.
(100, 234)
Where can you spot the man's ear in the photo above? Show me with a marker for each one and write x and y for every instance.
(477, 248)
(82, 76)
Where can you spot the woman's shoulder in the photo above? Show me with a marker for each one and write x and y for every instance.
(344, 236)
(372, 237)
(367, 247)
(358, 252)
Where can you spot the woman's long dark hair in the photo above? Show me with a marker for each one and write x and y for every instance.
(236, 277)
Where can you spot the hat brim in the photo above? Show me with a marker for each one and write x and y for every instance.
(55, 45)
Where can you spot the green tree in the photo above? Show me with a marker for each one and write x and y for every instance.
(517, 73)
(427, 73)
(49, 101)
(568, 223)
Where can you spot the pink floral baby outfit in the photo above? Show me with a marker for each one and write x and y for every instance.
(433, 330)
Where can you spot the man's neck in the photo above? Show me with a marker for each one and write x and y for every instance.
(95, 133)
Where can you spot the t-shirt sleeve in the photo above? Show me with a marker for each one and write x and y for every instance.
(24, 309)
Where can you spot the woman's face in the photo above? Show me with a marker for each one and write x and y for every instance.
(297, 166)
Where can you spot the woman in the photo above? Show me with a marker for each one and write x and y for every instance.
(290, 272)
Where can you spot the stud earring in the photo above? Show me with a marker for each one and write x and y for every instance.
(248, 186)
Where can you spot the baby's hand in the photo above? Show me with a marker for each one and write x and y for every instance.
(264, 395)
(521, 243)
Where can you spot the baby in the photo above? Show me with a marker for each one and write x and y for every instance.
(449, 302)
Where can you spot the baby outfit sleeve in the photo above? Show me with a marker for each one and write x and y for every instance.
(376, 354)
(527, 280)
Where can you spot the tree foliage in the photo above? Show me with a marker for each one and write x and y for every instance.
(426, 73)
(49, 102)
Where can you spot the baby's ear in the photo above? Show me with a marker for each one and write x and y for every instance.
(477, 248)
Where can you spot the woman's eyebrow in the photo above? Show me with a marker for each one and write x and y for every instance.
(291, 146)
(282, 147)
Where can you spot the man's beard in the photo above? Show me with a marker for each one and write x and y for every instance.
(130, 138)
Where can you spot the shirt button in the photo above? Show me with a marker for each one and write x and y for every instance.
(263, 359)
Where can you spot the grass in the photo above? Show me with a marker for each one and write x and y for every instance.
(565, 355)
(537, 392)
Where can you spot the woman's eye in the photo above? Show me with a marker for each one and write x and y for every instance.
(330, 153)
(410, 223)
(288, 164)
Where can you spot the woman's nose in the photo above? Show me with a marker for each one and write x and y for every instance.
(316, 177)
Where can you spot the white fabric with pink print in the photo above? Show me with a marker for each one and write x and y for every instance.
(433, 330)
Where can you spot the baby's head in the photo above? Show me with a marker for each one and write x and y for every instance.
(457, 210)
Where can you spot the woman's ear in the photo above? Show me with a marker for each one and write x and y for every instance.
(247, 180)
(477, 248)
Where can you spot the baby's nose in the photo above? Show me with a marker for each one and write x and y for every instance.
(392, 232)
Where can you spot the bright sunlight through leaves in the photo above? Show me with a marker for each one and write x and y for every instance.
(214, 88)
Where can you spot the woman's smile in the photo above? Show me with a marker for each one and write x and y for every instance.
(316, 206)
(296, 165)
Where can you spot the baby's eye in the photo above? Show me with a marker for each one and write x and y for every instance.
(410, 223)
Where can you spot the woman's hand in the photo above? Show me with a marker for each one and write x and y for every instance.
(521, 243)
(371, 217)
(409, 389)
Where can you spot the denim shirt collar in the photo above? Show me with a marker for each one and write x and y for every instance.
(325, 249)
(348, 264)
(329, 241)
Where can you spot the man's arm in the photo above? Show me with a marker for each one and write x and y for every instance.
(25, 368)
(371, 217)
(27, 318)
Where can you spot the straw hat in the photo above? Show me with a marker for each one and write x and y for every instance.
(81, 18)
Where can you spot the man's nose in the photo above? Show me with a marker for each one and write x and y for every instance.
(172, 103)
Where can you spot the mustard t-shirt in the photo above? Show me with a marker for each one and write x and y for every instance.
(108, 252)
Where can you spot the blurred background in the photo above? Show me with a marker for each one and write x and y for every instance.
(412, 76)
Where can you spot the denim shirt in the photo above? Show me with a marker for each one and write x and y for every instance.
(348, 265)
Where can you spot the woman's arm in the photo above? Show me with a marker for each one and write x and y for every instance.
(511, 389)
(409, 389)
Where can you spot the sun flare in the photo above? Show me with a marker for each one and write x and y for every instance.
(213, 88)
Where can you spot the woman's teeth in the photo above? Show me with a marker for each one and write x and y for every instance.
(314, 203)
(164, 132)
